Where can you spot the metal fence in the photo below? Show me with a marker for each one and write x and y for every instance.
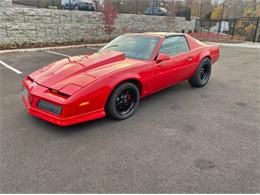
(245, 29)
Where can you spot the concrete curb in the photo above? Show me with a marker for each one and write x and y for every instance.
(50, 48)
(242, 45)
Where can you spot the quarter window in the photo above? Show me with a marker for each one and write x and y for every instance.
(174, 45)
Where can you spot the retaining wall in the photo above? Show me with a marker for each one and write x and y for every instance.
(5, 3)
(27, 26)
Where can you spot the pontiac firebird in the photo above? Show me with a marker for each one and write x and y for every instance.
(113, 80)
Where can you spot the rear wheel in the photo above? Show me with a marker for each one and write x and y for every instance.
(202, 74)
(123, 101)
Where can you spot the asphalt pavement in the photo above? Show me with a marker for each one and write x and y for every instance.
(180, 140)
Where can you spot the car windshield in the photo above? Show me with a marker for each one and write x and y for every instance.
(133, 46)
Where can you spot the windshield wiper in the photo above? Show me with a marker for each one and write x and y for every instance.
(111, 46)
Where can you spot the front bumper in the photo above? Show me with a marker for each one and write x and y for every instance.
(61, 121)
(41, 103)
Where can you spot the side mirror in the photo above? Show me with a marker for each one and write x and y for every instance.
(162, 57)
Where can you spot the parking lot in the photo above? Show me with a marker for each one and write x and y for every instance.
(180, 140)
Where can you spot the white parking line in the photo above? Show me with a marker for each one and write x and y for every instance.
(56, 53)
(10, 67)
(97, 46)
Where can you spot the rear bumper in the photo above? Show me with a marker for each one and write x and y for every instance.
(85, 7)
(60, 121)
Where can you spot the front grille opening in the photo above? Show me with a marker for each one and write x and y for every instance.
(55, 92)
(30, 79)
(49, 107)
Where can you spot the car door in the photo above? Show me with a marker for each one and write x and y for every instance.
(177, 68)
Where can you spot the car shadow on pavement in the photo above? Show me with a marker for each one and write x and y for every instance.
(67, 130)
(153, 100)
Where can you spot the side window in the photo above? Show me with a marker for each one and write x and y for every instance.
(148, 10)
(174, 45)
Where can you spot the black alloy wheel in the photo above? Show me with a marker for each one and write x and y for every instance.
(201, 76)
(123, 101)
(204, 73)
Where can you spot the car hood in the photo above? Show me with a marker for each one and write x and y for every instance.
(80, 70)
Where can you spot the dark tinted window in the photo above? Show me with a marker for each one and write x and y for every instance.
(174, 45)
(148, 9)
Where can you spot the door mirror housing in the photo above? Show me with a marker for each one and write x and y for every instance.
(162, 57)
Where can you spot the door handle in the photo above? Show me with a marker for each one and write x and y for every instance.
(190, 59)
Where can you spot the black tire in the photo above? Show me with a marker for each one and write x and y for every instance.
(123, 101)
(202, 74)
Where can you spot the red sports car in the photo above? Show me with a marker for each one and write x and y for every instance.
(113, 80)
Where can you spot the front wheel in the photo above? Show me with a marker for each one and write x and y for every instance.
(202, 74)
(123, 101)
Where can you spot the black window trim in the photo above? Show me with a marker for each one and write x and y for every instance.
(169, 36)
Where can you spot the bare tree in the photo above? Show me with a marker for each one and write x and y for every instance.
(171, 14)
